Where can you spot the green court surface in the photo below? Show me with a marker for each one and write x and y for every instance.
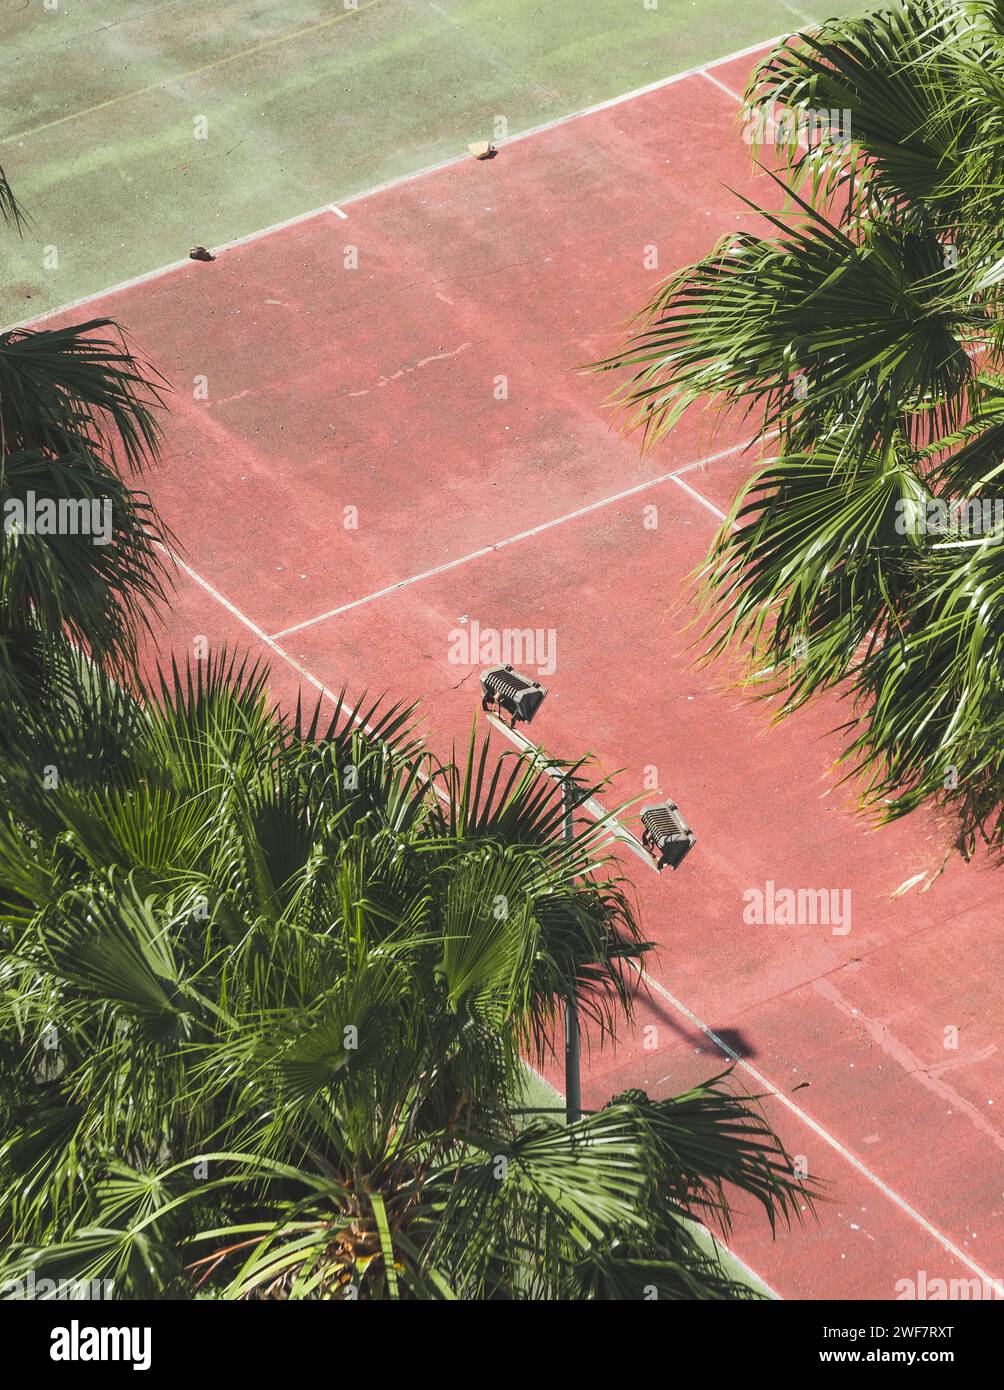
(300, 104)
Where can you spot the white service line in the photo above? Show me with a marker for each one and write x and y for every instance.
(700, 69)
(520, 536)
(703, 500)
(620, 831)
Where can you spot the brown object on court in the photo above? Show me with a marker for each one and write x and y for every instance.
(199, 253)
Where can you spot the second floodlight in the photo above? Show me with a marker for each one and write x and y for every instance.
(667, 835)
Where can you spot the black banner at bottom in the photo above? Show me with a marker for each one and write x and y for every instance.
(76, 1338)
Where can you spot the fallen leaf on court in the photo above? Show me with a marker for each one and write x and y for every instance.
(909, 883)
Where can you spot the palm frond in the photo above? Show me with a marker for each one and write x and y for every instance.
(276, 1012)
(865, 332)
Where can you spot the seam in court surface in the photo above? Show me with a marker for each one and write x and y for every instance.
(192, 72)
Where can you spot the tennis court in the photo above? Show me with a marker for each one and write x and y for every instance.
(380, 437)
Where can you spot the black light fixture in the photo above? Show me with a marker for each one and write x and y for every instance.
(508, 690)
(667, 835)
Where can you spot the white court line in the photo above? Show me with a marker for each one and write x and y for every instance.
(700, 69)
(258, 632)
(761, 1080)
(878, 1183)
(771, 123)
(946, 1244)
(716, 1240)
(703, 500)
(721, 85)
(149, 275)
(522, 536)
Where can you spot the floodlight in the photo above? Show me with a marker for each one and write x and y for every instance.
(667, 835)
(508, 690)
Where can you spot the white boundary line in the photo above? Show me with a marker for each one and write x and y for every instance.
(700, 69)
(931, 1230)
(674, 476)
(716, 1240)
(712, 1236)
(737, 96)
(747, 1269)
(253, 628)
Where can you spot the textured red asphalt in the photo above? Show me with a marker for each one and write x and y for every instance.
(375, 389)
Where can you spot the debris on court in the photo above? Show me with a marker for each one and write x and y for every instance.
(199, 253)
(483, 149)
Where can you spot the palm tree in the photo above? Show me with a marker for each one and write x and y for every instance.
(865, 330)
(80, 547)
(265, 984)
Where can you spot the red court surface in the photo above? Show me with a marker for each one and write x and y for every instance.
(375, 388)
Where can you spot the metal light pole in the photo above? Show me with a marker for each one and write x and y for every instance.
(573, 1077)
(667, 835)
